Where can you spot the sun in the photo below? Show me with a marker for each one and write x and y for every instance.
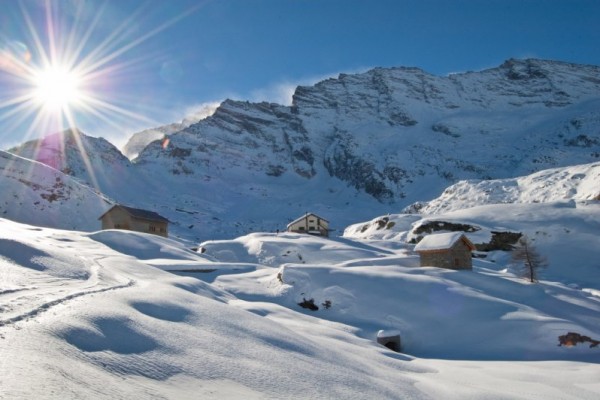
(56, 88)
(65, 71)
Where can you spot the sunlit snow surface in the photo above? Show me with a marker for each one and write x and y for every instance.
(99, 316)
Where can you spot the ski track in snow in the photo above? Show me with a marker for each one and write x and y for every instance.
(26, 303)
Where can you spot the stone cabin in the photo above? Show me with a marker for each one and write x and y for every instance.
(135, 219)
(446, 250)
(310, 223)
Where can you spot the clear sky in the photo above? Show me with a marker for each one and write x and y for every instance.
(126, 65)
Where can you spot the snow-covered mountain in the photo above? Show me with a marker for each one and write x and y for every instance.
(34, 193)
(358, 146)
(387, 131)
(281, 315)
(93, 161)
(578, 183)
(139, 140)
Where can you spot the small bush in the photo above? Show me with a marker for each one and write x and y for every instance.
(310, 304)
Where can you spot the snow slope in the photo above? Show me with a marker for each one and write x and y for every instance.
(32, 192)
(91, 316)
(125, 329)
(578, 182)
(564, 232)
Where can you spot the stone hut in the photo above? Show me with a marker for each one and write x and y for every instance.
(310, 223)
(446, 250)
(135, 219)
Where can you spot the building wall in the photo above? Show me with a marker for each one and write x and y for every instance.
(458, 257)
(146, 226)
(308, 224)
(118, 218)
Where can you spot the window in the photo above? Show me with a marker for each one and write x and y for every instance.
(152, 228)
(301, 228)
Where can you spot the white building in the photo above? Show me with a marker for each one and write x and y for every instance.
(310, 223)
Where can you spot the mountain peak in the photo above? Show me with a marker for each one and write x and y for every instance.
(354, 146)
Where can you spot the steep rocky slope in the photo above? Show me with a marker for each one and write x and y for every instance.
(385, 131)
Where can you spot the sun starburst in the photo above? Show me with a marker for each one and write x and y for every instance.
(66, 72)
(57, 88)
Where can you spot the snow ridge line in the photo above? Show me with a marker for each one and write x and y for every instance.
(45, 307)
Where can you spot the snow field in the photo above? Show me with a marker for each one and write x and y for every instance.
(124, 327)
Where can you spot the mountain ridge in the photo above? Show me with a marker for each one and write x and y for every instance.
(361, 145)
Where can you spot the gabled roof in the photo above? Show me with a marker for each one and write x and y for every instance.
(306, 216)
(138, 213)
(442, 241)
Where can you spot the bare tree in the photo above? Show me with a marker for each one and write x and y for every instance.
(527, 260)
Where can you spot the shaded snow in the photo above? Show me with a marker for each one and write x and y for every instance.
(122, 328)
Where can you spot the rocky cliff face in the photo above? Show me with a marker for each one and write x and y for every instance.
(358, 145)
(384, 131)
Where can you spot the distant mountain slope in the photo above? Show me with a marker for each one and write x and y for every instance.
(386, 131)
(353, 147)
(34, 193)
(139, 140)
(581, 182)
(94, 161)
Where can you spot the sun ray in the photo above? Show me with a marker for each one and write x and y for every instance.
(39, 47)
(64, 80)
(50, 33)
(75, 43)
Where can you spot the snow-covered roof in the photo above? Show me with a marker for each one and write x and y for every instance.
(442, 241)
(306, 216)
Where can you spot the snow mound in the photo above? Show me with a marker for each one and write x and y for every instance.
(275, 249)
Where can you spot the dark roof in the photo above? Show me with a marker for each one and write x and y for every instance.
(139, 213)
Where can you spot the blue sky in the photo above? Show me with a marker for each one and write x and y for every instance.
(163, 59)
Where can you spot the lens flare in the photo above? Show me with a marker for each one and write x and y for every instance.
(68, 67)
(72, 68)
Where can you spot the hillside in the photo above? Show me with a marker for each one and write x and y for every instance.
(579, 183)
(96, 315)
(34, 193)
